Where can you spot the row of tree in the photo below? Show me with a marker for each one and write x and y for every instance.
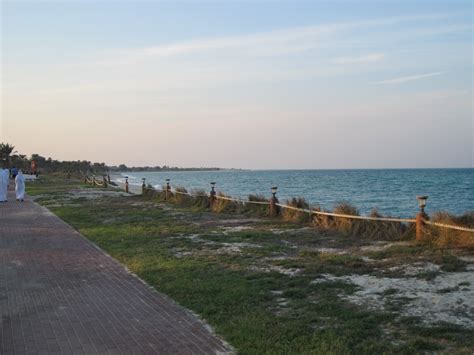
(10, 158)
(123, 167)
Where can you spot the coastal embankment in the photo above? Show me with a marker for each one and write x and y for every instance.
(280, 285)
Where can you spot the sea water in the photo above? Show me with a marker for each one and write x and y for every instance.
(392, 191)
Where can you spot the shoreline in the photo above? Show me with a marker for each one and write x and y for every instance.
(392, 193)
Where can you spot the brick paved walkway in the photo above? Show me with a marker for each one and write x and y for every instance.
(61, 294)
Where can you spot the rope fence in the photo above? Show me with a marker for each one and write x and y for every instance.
(242, 201)
(219, 197)
(350, 216)
(444, 225)
(94, 181)
(273, 204)
(337, 215)
(187, 193)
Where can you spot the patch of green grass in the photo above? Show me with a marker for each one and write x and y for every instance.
(421, 344)
(390, 291)
(448, 290)
(48, 184)
(451, 263)
(446, 332)
(397, 251)
(428, 275)
(315, 263)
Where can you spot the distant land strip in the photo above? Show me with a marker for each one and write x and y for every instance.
(163, 168)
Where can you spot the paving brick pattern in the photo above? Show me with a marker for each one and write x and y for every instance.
(60, 294)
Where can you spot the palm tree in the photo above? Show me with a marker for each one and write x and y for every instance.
(6, 151)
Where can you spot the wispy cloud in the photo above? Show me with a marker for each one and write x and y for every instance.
(405, 79)
(284, 41)
(368, 58)
(263, 43)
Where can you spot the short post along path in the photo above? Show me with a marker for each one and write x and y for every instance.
(59, 293)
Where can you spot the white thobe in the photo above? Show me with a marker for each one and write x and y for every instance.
(3, 185)
(20, 186)
(7, 174)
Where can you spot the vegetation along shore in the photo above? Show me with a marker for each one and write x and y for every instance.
(285, 284)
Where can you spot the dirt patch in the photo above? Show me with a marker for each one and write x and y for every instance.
(218, 247)
(182, 254)
(233, 248)
(92, 194)
(210, 220)
(233, 229)
(292, 272)
(469, 260)
(449, 297)
(334, 251)
(380, 245)
(144, 204)
(415, 269)
(288, 244)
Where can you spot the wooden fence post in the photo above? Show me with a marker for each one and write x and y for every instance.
(108, 177)
(212, 195)
(105, 180)
(420, 218)
(93, 180)
(126, 184)
(168, 188)
(274, 209)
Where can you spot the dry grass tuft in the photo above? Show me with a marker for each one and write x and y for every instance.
(150, 192)
(226, 206)
(181, 199)
(256, 209)
(258, 198)
(200, 199)
(346, 208)
(296, 216)
(377, 230)
(449, 238)
(354, 227)
(160, 195)
(346, 225)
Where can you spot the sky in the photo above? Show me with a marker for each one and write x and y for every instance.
(240, 84)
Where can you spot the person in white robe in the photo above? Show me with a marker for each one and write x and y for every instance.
(20, 186)
(3, 185)
(7, 174)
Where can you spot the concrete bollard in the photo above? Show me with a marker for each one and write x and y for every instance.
(143, 186)
(420, 218)
(212, 195)
(274, 209)
(126, 184)
(168, 188)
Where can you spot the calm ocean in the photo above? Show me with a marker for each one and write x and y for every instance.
(392, 191)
